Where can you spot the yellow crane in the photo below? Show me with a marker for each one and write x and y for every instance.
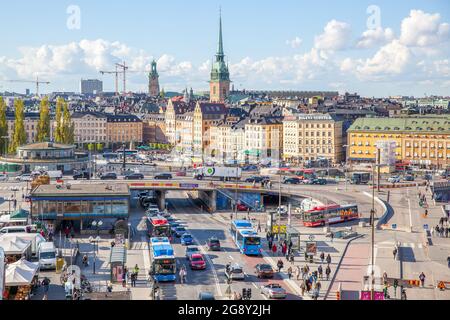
(37, 82)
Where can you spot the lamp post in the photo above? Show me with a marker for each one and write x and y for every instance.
(124, 158)
(129, 232)
(236, 185)
(345, 171)
(96, 224)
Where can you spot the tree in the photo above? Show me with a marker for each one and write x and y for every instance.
(99, 147)
(68, 128)
(3, 126)
(43, 130)
(58, 117)
(162, 93)
(90, 147)
(20, 136)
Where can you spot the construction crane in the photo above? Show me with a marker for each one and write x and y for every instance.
(124, 71)
(37, 82)
(116, 73)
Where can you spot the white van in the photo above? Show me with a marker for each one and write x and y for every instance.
(13, 229)
(47, 255)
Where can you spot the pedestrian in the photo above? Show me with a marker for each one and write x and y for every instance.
(67, 232)
(284, 249)
(274, 249)
(328, 259)
(133, 279)
(332, 236)
(303, 287)
(395, 253)
(46, 283)
(259, 226)
(124, 277)
(299, 271)
(426, 213)
(431, 232)
(322, 256)
(385, 277)
(320, 271)
(328, 272)
(269, 244)
(290, 272)
(291, 258)
(136, 269)
(422, 279)
(109, 287)
(280, 265)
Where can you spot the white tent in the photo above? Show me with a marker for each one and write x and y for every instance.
(14, 246)
(20, 273)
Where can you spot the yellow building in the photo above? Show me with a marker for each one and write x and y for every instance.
(423, 140)
(263, 138)
(313, 136)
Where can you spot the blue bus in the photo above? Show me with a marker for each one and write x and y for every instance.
(163, 263)
(245, 237)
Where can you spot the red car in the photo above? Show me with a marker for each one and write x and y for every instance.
(242, 207)
(197, 262)
(181, 174)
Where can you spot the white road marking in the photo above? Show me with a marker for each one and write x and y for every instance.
(231, 257)
(409, 208)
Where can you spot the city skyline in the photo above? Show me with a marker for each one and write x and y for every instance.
(404, 52)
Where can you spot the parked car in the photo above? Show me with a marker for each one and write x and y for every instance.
(242, 207)
(187, 239)
(163, 176)
(256, 179)
(191, 250)
(273, 290)
(409, 177)
(197, 262)
(250, 168)
(108, 176)
(292, 181)
(179, 231)
(394, 179)
(213, 244)
(235, 272)
(24, 177)
(3, 177)
(82, 175)
(181, 174)
(134, 176)
(264, 270)
(206, 296)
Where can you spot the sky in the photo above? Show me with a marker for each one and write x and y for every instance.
(376, 48)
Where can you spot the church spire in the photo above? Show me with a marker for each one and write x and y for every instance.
(220, 54)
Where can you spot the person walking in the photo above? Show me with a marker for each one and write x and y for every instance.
(422, 279)
(299, 272)
(395, 252)
(328, 272)
(322, 256)
(274, 249)
(283, 249)
(332, 236)
(290, 272)
(269, 243)
(133, 279)
(124, 277)
(290, 245)
(46, 283)
(328, 259)
(303, 287)
(320, 272)
(280, 265)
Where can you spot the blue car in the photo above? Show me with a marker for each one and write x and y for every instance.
(186, 239)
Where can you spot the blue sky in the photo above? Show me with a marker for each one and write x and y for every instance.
(304, 45)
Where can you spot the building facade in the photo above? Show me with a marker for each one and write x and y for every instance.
(154, 128)
(263, 138)
(91, 86)
(89, 127)
(313, 136)
(173, 109)
(31, 120)
(220, 76)
(421, 140)
(124, 128)
(153, 81)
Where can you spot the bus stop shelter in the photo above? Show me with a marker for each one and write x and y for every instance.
(117, 261)
(293, 235)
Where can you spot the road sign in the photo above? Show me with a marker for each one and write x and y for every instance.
(311, 237)
(402, 282)
(441, 285)
(425, 227)
(276, 230)
(394, 226)
(311, 248)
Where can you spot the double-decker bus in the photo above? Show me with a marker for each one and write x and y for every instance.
(320, 216)
(158, 227)
(245, 237)
(163, 263)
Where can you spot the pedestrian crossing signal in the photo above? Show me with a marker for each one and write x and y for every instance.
(338, 295)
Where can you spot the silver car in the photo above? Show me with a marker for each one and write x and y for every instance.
(273, 291)
(235, 272)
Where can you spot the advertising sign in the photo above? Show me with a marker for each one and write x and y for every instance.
(311, 247)
(188, 185)
(377, 295)
(281, 230)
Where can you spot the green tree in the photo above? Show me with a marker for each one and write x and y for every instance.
(99, 147)
(3, 126)
(90, 147)
(58, 117)
(68, 128)
(19, 137)
(162, 93)
(43, 130)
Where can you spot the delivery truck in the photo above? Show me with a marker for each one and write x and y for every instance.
(218, 173)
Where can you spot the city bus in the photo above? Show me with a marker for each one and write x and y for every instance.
(245, 237)
(158, 227)
(320, 216)
(163, 263)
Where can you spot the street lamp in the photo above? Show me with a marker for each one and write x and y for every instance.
(345, 171)
(129, 232)
(95, 242)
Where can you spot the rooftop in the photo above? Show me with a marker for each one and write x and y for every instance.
(45, 146)
(439, 125)
(102, 189)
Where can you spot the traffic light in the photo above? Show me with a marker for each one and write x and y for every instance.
(338, 295)
(244, 293)
(249, 293)
(395, 283)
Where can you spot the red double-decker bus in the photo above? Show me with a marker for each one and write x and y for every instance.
(320, 216)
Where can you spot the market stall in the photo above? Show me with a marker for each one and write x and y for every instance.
(20, 277)
(16, 248)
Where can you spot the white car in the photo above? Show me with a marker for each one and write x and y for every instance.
(24, 177)
(3, 177)
(395, 179)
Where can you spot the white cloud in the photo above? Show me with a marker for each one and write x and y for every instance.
(373, 37)
(442, 67)
(294, 43)
(336, 36)
(423, 29)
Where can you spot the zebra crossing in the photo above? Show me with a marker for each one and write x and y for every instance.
(392, 244)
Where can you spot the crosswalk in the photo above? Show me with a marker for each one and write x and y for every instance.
(392, 244)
